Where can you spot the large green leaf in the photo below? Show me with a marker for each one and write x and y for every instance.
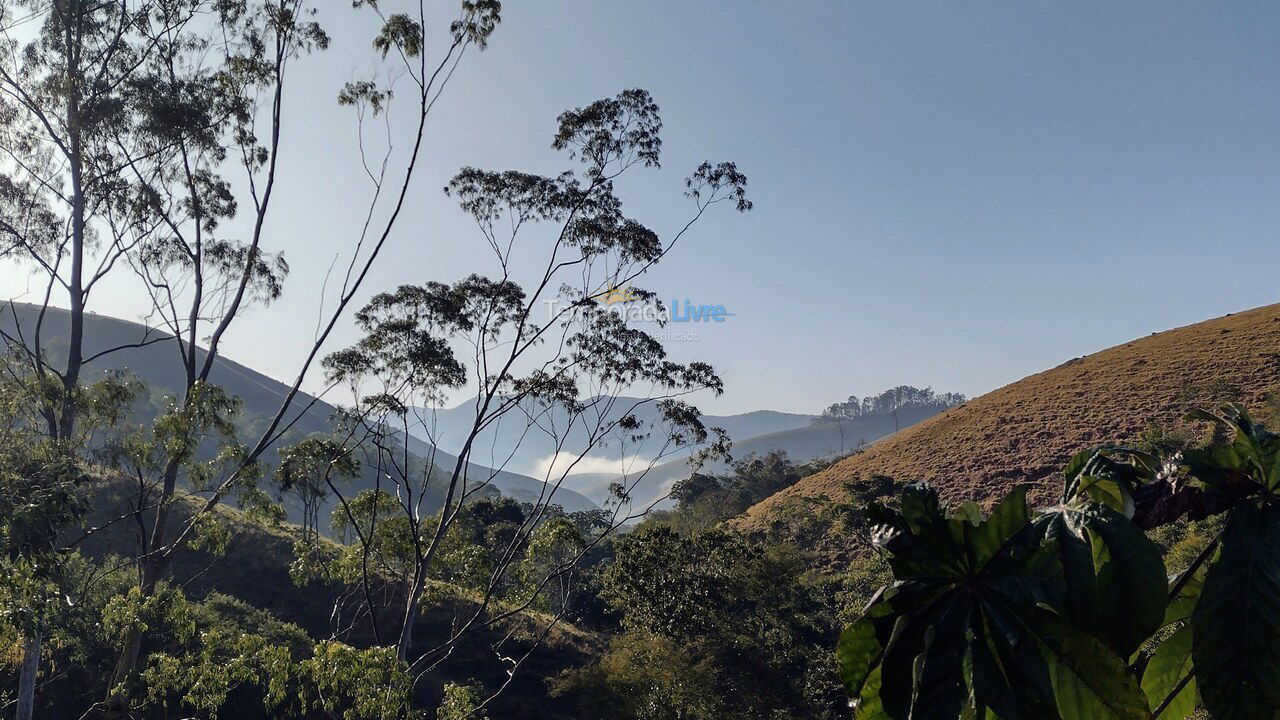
(866, 704)
(1253, 451)
(1056, 671)
(859, 651)
(1001, 536)
(1089, 681)
(921, 539)
(1010, 674)
(916, 537)
(1096, 475)
(922, 671)
(1168, 681)
(1236, 623)
(858, 654)
(968, 630)
(1184, 602)
(1114, 574)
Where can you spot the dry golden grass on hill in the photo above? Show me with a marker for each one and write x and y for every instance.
(1025, 432)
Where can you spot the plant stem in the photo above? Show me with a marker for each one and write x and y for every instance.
(1186, 575)
(1172, 694)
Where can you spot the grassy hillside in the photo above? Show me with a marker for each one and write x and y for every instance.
(1026, 431)
(157, 365)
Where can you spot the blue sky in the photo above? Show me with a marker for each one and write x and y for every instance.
(947, 194)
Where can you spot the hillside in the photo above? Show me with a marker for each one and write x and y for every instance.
(802, 444)
(1026, 431)
(255, 569)
(157, 365)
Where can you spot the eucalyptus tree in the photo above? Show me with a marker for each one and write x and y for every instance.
(222, 277)
(145, 136)
(72, 106)
(536, 348)
(44, 497)
(305, 470)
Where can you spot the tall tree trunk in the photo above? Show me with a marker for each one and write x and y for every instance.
(75, 347)
(153, 567)
(411, 602)
(27, 676)
(117, 704)
(75, 160)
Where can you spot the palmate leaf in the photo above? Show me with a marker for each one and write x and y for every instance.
(922, 669)
(1168, 681)
(1098, 475)
(1050, 670)
(1088, 680)
(1254, 452)
(922, 540)
(969, 629)
(1114, 574)
(1235, 644)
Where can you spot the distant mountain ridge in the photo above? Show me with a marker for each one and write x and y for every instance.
(508, 444)
(801, 444)
(157, 365)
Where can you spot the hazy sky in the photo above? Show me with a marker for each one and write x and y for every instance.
(954, 195)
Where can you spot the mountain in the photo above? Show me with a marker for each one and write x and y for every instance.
(1025, 432)
(508, 444)
(802, 444)
(157, 365)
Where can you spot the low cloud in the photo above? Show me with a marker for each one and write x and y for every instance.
(552, 467)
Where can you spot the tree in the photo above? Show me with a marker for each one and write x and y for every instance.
(226, 277)
(122, 123)
(714, 624)
(643, 676)
(305, 471)
(1040, 615)
(422, 341)
(71, 99)
(704, 500)
(43, 495)
(143, 137)
(889, 402)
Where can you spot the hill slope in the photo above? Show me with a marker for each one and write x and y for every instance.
(158, 366)
(1026, 431)
(255, 569)
(802, 444)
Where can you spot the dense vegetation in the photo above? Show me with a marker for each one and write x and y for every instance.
(1068, 606)
(142, 147)
(1066, 612)
(890, 402)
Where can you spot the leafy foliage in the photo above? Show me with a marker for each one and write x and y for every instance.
(714, 625)
(704, 500)
(889, 402)
(1038, 615)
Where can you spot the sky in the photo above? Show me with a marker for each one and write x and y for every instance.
(946, 194)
